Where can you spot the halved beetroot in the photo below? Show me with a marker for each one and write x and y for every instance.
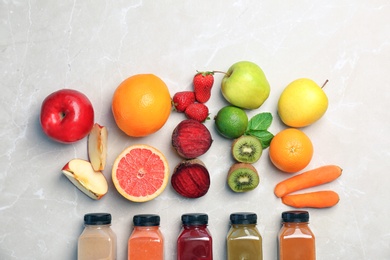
(191, 179)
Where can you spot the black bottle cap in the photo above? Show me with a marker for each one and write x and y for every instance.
(243, 218)
(97, 219)
(194, 219)
(146, 220)
(296, 216)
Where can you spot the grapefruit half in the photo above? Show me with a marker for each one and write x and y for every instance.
(140, 173)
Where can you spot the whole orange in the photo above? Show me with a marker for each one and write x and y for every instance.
(291, 150)
(141, 105)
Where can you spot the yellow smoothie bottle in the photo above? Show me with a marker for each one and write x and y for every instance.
(244, 241)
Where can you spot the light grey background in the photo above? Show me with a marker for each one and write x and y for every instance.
(92, 46)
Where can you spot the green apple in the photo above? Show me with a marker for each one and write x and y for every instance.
(302, 103)
(245, 85)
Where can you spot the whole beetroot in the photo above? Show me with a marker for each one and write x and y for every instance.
(191, 179)
(191, 139)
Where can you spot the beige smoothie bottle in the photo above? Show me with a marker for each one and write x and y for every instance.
(97, 241)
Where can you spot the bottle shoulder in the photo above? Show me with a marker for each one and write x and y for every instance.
(147, 231)
(243, 231)
(294, 230)
(98, 231)
(194, 232)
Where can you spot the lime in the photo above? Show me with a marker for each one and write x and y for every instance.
(231, 122)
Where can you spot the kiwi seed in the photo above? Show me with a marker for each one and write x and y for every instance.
(247, 149)
(243, 177)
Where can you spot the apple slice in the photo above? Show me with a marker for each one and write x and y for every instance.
(97, 147)
(82, 175)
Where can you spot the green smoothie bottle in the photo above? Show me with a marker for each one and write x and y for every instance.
(244, 241)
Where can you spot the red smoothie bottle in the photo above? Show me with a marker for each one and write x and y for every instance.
(194, 241)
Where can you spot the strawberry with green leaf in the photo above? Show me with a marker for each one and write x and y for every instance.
(203, 82)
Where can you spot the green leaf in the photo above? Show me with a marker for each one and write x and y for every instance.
(264, 136)
(260, 121)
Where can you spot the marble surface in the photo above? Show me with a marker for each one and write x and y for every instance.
(92, 46)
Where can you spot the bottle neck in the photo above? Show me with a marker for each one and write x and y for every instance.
(295, 224)
(97, 226)
(194, 226)
(146, 227)
(243, 225)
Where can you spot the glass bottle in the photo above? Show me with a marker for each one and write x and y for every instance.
(244, 240)
(97, 241)
(194, 241)
(146, 242)
(296, 240)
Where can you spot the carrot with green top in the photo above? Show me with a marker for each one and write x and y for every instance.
(308, 179)
(316, 199)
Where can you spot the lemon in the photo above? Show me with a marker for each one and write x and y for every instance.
(231, 122)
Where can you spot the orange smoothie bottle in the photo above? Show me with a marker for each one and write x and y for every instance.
(146, 242)
(296, 240)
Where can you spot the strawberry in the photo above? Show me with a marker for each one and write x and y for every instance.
(197, 111)
(181, 100)
(203, 82)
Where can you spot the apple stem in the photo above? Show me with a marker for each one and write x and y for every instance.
(218, 71)
(212, 72)
(323, 85)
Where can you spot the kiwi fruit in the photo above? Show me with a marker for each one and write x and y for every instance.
(247, 149)
(243, 177)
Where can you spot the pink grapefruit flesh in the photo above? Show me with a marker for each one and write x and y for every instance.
(140, 173)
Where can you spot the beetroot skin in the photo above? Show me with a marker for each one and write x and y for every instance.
(191, 179)
(191, 139)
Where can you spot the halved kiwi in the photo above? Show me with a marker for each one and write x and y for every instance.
(247, 149)
(243, 177)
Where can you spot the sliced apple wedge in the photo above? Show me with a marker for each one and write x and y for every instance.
(97, 147)
(82, 175)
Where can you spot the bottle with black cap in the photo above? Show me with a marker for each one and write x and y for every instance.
(296, 240)
(244, 240)
(194, 241)
(97, 241)
(146, 241)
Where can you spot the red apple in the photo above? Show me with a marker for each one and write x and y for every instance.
(67, 115)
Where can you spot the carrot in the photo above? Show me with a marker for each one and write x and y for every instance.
(308, 179)
(316, 199)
